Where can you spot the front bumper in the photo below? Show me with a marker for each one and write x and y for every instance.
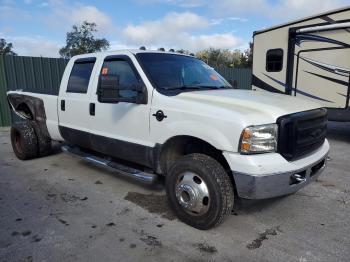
(276, 176)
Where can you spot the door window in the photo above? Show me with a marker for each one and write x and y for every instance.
(80, 76)
(126, 75)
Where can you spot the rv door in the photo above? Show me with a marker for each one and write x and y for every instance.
(322, 64)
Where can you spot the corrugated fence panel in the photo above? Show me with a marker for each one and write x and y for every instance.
(31, 74)
(242, 77)
(34, 74)
(5, 116)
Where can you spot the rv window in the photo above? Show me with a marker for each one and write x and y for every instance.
(274, 60)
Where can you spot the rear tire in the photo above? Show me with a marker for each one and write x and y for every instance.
(44, 142)
(199, 191)
(24, 141)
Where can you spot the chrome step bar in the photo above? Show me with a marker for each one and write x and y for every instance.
(141, 176)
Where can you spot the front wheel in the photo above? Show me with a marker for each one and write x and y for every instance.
(199, 191)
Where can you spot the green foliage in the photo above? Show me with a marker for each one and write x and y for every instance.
(227, 58)
(81, 40)
(6, 48)
(247, 60)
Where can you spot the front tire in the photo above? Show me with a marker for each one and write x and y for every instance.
(199, 191)
(24, 141)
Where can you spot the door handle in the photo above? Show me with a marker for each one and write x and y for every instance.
(92, 109)
(63, 105)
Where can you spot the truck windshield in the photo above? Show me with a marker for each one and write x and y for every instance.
(179, 72)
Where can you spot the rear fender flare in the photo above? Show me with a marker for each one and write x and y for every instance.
(35, 106)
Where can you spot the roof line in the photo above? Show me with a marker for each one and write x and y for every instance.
(339, 10)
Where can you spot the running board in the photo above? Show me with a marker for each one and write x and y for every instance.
(136, 174)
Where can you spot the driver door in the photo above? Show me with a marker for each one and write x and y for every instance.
(121, 129)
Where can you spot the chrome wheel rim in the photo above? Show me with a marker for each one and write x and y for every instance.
(192, 193)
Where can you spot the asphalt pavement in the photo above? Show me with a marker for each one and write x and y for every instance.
(59, 208)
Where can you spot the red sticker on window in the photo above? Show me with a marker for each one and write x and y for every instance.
(214, 77)
(104, 71)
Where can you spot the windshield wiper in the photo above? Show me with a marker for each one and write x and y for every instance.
(221, 87)
(183, 87)
(194, 87)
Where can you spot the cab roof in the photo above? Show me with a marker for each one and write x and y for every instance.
(126, 51)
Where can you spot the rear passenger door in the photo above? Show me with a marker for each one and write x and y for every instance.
(73, 101)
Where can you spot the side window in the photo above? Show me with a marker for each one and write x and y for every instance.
(80, 76)
(274, 60)
(126, 75)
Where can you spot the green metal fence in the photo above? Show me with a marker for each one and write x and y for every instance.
(4, 109)
(240, 77)
(32, 74)
(43, 75)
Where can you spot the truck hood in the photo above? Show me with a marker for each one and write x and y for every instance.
(260, 104)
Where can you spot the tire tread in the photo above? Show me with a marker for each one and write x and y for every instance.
(44, 142)
(29, 148)
(222, 180)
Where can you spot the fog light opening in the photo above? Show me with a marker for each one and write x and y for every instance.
(317, 167)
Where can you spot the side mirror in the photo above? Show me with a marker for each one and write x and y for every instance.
(107, 91)
(110, 91)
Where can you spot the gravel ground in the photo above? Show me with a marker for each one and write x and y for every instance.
(59, 208)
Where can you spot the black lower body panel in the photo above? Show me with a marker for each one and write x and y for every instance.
(139, 154)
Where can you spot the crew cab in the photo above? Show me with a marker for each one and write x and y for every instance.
(149, 114)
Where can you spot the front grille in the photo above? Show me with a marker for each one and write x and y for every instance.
(301, 133)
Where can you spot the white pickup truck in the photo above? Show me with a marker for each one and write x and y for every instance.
(149, 114)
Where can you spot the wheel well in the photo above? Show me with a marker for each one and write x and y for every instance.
(24, 110)
(179, 146)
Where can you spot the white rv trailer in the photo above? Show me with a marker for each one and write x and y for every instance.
(309, 57)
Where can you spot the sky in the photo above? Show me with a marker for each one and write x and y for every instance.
(39, 27)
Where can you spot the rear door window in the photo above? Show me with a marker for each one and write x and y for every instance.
(80, 75)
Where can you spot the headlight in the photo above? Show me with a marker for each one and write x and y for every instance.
(259, 139)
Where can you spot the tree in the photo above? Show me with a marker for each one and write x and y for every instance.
(247, 56)
(249, 53)
(6, 48)
(228, 58)
(220, 57)
(81, 40)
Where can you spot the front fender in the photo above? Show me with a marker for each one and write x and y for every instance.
(200, 130)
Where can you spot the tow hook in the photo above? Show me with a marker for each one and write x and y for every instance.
(297, 178)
